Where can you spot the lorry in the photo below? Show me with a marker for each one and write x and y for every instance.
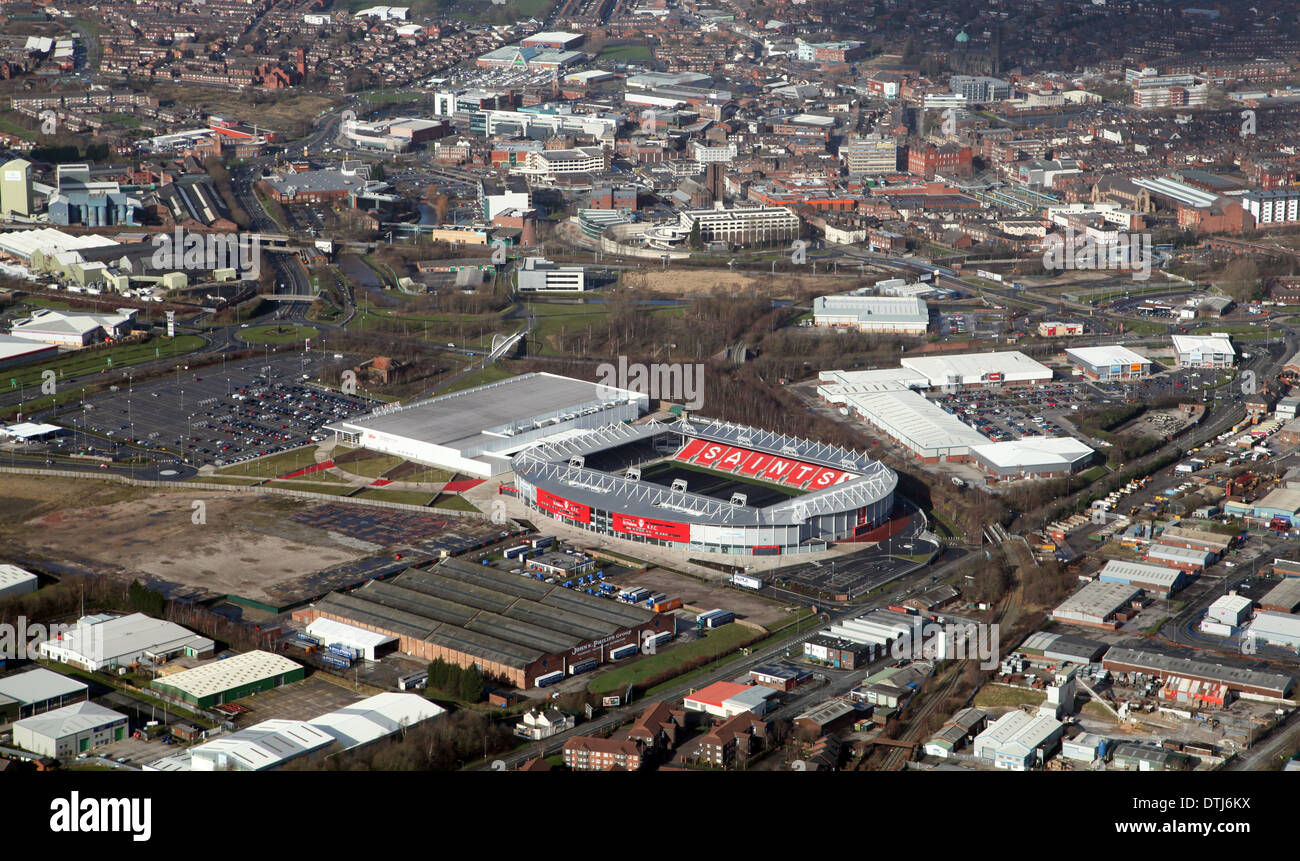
(343, 651)
(335, 660)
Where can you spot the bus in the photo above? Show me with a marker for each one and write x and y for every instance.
(583, 666)
(413, 681)
(548, 679)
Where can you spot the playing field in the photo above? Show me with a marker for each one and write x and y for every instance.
(718, 485)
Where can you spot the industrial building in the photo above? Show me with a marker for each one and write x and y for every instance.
(1031, 457)
(376, 717)
(1018, 740)
(14, 581)
(371, 646)
(476, 431)
(1276, 629)
(262, 746)
(63, 733)
(1199, 351)
(73, 329)
(1262, 683)
(875, 314)
(909, 419)
(979, 370)
(19, 351)
(1282, 598)
(38, 690)
(1183, 558)
(728, 699)
(1056, 648)
(1097, 605)
(103, 642)
(1155, 579)
(1225, 616)
(510, 627)
(230, 679)
(1111, 362)
(837, 652)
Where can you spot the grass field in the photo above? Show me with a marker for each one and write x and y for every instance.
(718, 485)
(276, 464)
(277, 334)
(452, 502)
(714, 644)
(625, 53)
(408, 497)
(313, 487)
(1004, 696)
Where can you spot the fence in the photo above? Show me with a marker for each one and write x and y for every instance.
(252, 488)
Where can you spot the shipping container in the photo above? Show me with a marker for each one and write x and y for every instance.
(335, 660)
(413, 681)
(548, 679)
(667, 604)
(623, 652)
(308, 639)
(344, 651)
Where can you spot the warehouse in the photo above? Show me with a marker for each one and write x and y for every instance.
(262, 746)
(369, 644)
(18, 351)
(102, 642)
(38, 690)
(838, 652)
(14, 581)
(728, 699)
(1062, 647)
(917, 424)
(879, 314)
(1111, 362)
(1031, 457)
(376, 717)
(1196, 539)
(476, 431)
(976, 370)
(227, 680)
(66, 732)
(1276, 629)
(1183, 558)
(1283, 503)
(1155, 579)
(1199, 351)
(1018, 740)
(511, 628)
(1123, 660)
(1282, 598)
(1097, 604)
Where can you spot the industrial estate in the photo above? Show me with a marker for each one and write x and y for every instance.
(572, 386)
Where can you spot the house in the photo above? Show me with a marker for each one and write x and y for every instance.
(587, 753)
(658, 727)
(733, 741)
(538, 724)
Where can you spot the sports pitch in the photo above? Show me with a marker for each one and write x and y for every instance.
(718, 485)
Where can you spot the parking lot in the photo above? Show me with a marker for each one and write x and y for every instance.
(1013, 413)
(222, 416)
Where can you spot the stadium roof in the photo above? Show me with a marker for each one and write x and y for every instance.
(481, 418)
(553, 466)
(1106, 356)
(1034, 451)
(969, 368)
(219, 676)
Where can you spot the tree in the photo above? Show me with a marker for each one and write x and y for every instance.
(471, 685)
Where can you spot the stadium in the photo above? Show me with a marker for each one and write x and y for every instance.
(708, 486)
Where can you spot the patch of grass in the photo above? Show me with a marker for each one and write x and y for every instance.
(1093, 474)
(331, 489)
(274, 465)
(625, 53)
(277, 334)
(714, 644)
(490, 374)
(452, 502)
(994, 695)
(408, 497)
(371, 467)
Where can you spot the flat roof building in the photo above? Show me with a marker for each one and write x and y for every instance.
(1031, 457)
(1121, 659)
(1201, 351)
(1183, 558)
(878, 314)
(376, 717)
(63, 733)
(916, 423)
(1096, 604)
(1276, 629)
(101, 642)
(38, 690)
(15, 581)
(260, 747)
(1282, 598)
(1156, 579)
(728, 699)
(230, 679)
(1111, 362)
(1014, 741)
